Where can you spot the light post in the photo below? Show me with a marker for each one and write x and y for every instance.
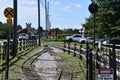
(93, 9)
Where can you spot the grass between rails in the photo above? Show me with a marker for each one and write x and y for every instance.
(15, 71)
(73, 65)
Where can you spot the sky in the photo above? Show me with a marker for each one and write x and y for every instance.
(64, 14)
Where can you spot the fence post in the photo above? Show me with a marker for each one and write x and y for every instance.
(26, 44)
(11, 48)
(110, 58)
(7, 59)
(87, 52)
(20, 45)
(90, 65)
(4, 50)
(114, 62)
(30, 43)
(97, 59)
(64, 47)
(80, 52)
(69, 48)
(74, 49)
(23, 44)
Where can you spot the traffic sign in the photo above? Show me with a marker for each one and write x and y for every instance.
(53, 32)
(105, 74)
(9, 12)
(9, 21)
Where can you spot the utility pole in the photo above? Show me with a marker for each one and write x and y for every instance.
(46, 19)
(48, 27)
(39, 28)
(15, 29)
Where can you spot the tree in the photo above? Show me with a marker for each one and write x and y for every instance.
(4, 29)
(109, 16)
(19, 27)
(89, 26)
(76, 31)
(107, 19)
(0, 22)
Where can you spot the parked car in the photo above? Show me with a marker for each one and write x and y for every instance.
(116, 41)
(23, 36)
(33, 37)
(99, 40)
(74, 37)
(84, 39)
(106, 42)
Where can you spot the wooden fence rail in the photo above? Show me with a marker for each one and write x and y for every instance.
(100, 58)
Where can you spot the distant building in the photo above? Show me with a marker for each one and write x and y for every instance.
(28, 30)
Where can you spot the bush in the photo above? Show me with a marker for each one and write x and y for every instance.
(3, 36)
(45, 39)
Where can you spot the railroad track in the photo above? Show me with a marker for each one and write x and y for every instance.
(27, 69)
(104, 57)
(61, 74)
(31, 72)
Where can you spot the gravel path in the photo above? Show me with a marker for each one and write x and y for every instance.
(46, 67)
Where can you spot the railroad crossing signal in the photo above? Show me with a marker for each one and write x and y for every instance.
(9, 21)
(9, 12)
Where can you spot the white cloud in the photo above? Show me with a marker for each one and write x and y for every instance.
(67, 8)
(27, 2)
(57, 3)
(4, 4)
(77, 5)
(28, 12)
(61, 11)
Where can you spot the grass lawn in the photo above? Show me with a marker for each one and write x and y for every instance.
(15, 71)
(74, 65)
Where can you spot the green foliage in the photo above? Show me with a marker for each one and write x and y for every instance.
(4, 29)
(45, 39)
(107, 19)
(70, 31)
